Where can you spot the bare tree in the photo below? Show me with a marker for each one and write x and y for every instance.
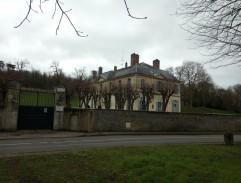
(215, 25)
(3, 91)
(56, 70)
(147, 92)
(166, 89)
(120, 96)
(80, 73)
(106, 94)
(237, 97)
(21, 64)
(68, 83)
(131, 96)
(2, 65)
(82, 89)
(64, 13)
(95, 95)
(11, 67)
(191, 74)
(81, 84)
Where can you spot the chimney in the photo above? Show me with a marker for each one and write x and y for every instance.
(100, 71)
(156, 64)
(94, 74)
(134, 59)
(126, 65)
(115, 68)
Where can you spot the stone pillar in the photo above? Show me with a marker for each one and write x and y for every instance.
(59, 108)
(12, 104)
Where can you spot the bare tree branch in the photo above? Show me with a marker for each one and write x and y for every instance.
(26, 17)
(58, 4)
(66, 15)
(130, 14)
(216, 26)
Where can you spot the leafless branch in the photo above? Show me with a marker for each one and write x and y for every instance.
(130, 14)
(215, 25)
(66, 15)
(26, 17)
(58, 4)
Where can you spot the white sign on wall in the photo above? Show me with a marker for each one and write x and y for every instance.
(128, 125)
(59, 108)
(45, 110)
(61, 90)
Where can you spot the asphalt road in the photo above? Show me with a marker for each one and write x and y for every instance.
(57, 144)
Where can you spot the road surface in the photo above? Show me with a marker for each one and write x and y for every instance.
(58, 144)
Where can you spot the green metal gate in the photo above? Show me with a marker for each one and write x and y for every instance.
(36, 111)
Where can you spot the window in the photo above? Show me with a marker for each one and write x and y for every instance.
(175, 106)
(119, 83)
(175, 89)
(110, 85)
(129, 82)
(142, 82)
(100, 87)
(159, 86)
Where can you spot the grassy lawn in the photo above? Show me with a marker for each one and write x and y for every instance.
(166, 163)
(206, 110)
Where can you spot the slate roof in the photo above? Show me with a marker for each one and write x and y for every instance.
(142, 68)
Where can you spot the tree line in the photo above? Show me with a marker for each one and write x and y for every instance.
(197, 87)
(199, 90)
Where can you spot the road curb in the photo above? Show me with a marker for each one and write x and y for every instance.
(69, 134)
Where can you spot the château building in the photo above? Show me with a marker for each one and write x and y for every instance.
(138, 77)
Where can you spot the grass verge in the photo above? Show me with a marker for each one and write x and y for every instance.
(166, 163)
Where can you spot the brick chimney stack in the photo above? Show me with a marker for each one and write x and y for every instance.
(100, 71)
(94, 73)
(126, 65)
(115, 68)
(156, 64)
(134, 59)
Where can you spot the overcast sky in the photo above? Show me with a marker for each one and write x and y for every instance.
(112, 36)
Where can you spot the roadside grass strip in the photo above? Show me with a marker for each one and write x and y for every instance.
(165, 163)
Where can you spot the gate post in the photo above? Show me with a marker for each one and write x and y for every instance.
(59, 108)
(12, 104)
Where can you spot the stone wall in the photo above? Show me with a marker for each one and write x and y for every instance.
(141, 121)
(2, 117)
